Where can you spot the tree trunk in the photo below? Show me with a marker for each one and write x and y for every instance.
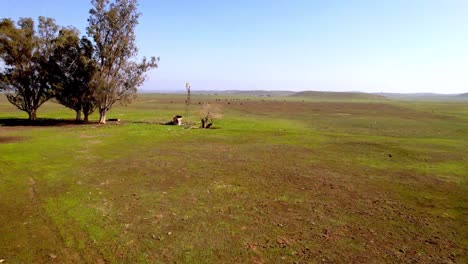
(87, 110)
(32, 115)
(86, 115)
(78, 115)
(102, 116)
(203, 123)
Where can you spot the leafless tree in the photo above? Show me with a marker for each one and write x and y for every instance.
(209, 113)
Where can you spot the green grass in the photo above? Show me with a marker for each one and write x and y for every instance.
(278, 181)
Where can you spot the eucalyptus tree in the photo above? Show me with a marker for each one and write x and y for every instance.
(73, 68)
(24, 56)
(112, 28)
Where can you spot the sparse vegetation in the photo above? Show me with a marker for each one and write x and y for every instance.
(285, 181)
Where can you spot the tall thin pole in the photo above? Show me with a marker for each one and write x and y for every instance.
(187, 103)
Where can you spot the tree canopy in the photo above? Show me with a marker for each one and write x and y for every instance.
(73, 69)
(25, 77)
(112, 27)
(84, 73)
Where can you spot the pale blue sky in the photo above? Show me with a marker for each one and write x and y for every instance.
(339, 45)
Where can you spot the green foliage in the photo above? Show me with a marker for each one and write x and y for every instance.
(83, 74)
(112, 27)
(73, 69)
(25, 53)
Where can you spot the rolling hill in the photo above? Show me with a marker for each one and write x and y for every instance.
(339, 95)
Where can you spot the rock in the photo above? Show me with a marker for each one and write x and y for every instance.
(52, 256)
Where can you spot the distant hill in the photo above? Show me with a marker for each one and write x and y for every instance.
(305, 94)
(339, 95)
(259, 93)
(321, 95)
(426, 96)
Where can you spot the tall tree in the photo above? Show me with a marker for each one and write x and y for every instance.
(24, 56)
(73, 69)
(112, 27)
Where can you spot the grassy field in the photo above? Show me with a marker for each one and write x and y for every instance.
(282, 180)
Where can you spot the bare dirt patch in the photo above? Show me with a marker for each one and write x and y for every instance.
(9, 139)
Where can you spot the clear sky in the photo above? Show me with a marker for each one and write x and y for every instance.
(337, 45)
